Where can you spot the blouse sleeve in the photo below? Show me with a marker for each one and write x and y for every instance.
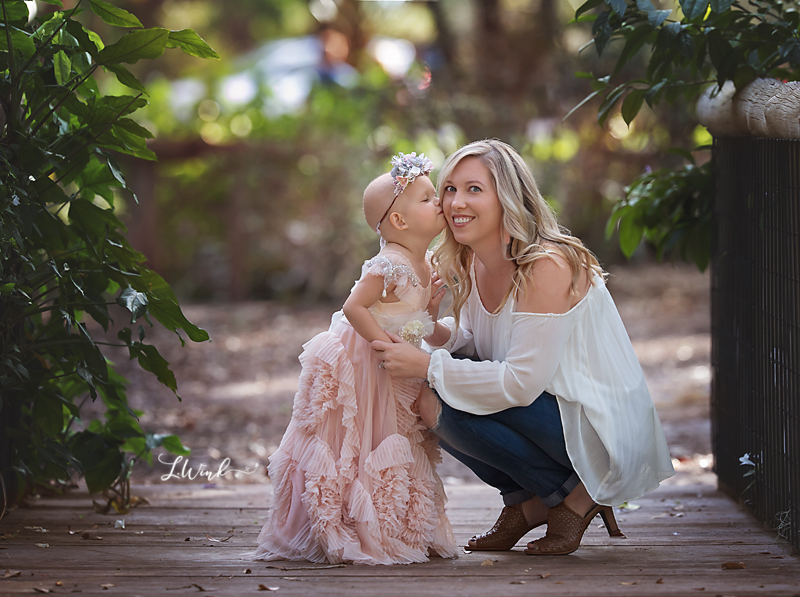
(486, 387)
(460, 340)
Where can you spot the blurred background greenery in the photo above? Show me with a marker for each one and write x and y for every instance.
(263, 156)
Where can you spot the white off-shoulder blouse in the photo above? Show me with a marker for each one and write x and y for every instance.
(585, 359)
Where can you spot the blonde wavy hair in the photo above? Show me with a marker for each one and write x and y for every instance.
(527, 218)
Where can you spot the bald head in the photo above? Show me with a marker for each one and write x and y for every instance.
(377, 198)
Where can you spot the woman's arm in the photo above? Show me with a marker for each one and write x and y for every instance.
(356, 308)
(539, 334)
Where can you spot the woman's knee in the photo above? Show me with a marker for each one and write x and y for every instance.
(429, 407)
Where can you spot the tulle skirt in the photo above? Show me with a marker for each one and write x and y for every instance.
(354, 477)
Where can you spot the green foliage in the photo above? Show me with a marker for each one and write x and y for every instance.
(671, 209)
(63, 251)
(714, 41)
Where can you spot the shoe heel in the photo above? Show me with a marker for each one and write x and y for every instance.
(607, 514)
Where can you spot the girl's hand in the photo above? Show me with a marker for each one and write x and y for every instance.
(438, 290)
(401, 359)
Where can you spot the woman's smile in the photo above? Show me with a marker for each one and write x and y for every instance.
(461, 221)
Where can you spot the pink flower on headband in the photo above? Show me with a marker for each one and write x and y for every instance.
(406, 168)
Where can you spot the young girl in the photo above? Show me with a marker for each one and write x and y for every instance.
(354, 477)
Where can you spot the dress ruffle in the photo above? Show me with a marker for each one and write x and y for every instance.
(336, 501)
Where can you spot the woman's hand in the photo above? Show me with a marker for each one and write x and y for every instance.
(438, 290)
(401, 359)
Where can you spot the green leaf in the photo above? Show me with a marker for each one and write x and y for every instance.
(7, 288)
(114, 15)
(48, 414)
(618, 6)
(135, 45)
(135, 302)
(656, 17)
(644, 5)
(102, 475)
(720, 6)
(151, 360)
(583, 102)
(630, 235)
(20, 40)
(164, 306)
(15, 11)
(632, 104)
(173, 444)
(694, 8)
(62, 67)
(125, 77)
(609, 102)
(191, 43)
(88, 41)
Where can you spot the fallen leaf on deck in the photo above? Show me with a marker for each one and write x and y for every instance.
(627, 506)
(120, 524)
(37, 529)
(107, 586)
(90, 536)
(71, 532)
(733, 566)
(266, 588)
(42, 545)
(487, 563)
(636, 582)
(59, 583)
(7, 536)
(42, 590)
(517, 582)
(12, 573)
(247, 571)
(660, 581)
(217, 540)
(545, 574)
(700, 589)
(766, 552)
(660, 516)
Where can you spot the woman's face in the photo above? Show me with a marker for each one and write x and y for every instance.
(471, 205)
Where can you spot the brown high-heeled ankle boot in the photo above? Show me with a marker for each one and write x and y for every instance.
(565, 529)
(510, 527)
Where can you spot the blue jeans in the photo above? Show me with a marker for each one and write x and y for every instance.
(521, 450)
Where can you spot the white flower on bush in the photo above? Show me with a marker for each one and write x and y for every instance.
(745, 460)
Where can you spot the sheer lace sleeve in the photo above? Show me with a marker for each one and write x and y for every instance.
(395, 270)
(485, 387)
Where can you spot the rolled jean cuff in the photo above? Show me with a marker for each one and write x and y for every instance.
(555, 498)
(438, 408)
(513, 498)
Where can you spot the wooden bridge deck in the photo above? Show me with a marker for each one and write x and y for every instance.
(190, 540)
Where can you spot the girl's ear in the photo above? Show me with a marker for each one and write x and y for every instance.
(397, 221)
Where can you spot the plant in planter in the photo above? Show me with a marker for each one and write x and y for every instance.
(63, 252)
(692, 44)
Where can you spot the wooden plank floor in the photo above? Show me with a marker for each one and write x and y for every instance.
(677, 542)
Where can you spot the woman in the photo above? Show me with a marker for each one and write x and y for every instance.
(552, 409)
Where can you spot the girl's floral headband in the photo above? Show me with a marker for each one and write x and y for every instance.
(405, 169)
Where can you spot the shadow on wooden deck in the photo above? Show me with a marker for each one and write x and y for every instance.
(191, 540)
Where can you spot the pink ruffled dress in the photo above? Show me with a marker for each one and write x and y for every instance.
(354, 477)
